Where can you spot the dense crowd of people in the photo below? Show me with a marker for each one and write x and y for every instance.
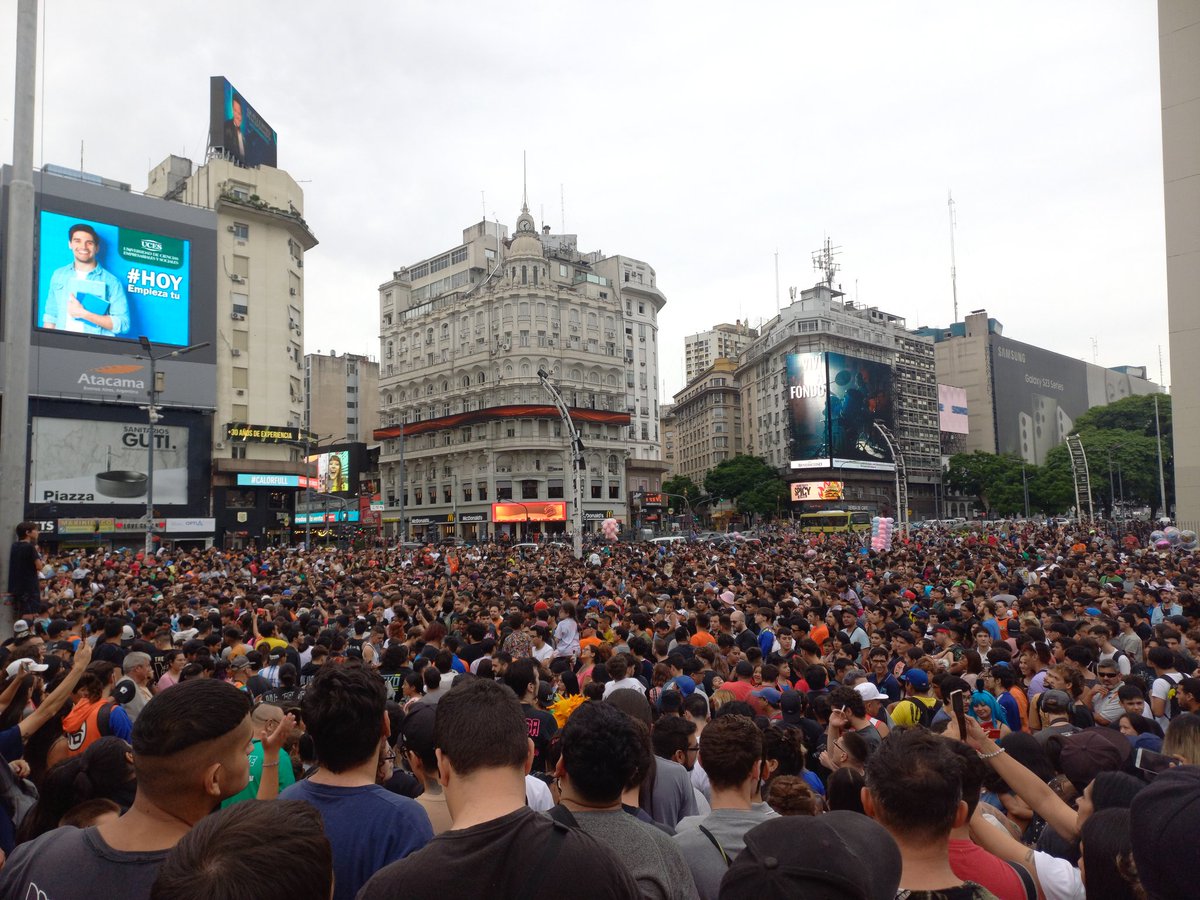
(991, 712)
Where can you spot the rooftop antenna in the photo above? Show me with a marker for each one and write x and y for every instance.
(824, 262)
(1095, 350)
(524, 184)
(953, 268)
(562, 207)
(1162, 382)
(777, 280)
(483, 204)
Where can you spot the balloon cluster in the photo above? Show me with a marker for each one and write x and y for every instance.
(610, 528)
(881, 533)
(1171, 538)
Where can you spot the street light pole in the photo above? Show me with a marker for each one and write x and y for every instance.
(1025, 490)
(156, 388)
(577, 462)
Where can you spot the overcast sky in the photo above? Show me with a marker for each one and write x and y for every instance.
(699, 137)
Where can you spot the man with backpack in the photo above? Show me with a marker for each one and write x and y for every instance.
(732, 755)
(919, 706)
(94, 714)
(1164, 692)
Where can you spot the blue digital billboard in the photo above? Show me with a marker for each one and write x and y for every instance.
(108, 281)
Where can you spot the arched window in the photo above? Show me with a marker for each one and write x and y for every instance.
(481, 378)
(466, 381)
(524, 275)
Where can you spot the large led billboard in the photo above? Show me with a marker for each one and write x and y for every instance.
(1038, 396)
(83, 461)
(952, 409)
(103, 280)
(860, 395)
(333, 472)
(155, 266)
(834, 402)
(807, 390)
(236, 128)
(533, 511)
(803, 491)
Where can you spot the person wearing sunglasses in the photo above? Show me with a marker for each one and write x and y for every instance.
(1106, 705)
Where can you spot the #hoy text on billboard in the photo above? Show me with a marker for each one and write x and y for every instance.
(80, 461)
(107, 281)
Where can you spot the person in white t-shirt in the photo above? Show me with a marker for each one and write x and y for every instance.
(541, 649)
(619, 677)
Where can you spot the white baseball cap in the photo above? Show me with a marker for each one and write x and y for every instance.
(869, 692)
(21, 666)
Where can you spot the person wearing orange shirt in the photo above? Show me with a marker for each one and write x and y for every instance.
(819, 632)
(703, 637)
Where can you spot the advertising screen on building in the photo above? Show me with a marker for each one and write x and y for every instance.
(539, 511)
(103, 280)
(236, 128)
(82, 461)
(860, 395)
(333, 472)
(1038, 397)
(817, 490)
(952, 409)
(807, 391)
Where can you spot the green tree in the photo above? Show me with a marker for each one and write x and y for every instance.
(993, 479)
(1133, 475)
(749, 482)
(684, 487)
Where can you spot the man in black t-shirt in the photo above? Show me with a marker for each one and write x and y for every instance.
(498, 846)
(522, 677)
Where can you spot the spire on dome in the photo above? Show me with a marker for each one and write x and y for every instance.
(524, 184)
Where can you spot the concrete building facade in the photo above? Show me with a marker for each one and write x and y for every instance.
(722, 341)
(820, 320)
(708, 421)
(341, 396)
(1179, 68)
(1023, 399)
(670, 439)
(262, 239)
(468, 433)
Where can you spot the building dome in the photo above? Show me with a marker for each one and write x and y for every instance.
(525, 242)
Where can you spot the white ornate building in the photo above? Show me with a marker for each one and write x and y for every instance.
(470, 441)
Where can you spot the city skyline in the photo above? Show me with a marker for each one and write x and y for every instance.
(702, 155)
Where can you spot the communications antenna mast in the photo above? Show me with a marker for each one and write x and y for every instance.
(824, 262)
(953, 267)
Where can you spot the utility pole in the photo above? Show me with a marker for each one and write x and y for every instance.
(18, 289)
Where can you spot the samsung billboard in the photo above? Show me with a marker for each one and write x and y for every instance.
(835, 402)
(1038, 397)
(236, 129)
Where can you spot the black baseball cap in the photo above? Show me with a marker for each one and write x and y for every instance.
(840, 855)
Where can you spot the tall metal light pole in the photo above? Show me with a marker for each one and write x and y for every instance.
(577, 462)
(18, 287)
(1025, 489)
(157, 384)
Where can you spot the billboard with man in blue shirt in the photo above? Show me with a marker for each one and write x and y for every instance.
(104, 280)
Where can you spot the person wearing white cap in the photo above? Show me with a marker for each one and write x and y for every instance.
(20, 667)
(874, 700)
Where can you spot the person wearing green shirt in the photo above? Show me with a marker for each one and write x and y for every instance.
(266, 720)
